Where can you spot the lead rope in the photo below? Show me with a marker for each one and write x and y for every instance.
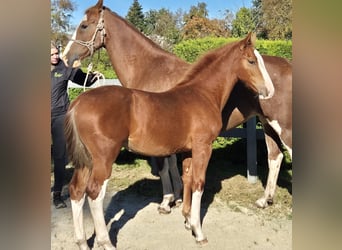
(89, 68)
(98, 76)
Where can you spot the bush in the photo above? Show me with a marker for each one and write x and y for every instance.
(74, 92)
(275, 48)
(190, 50)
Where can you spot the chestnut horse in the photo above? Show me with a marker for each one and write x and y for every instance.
(141, 64)
(102, 120)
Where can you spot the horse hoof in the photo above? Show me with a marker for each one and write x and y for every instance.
(202, 242)
(187, 225)
(261, 203)
(164, 210)
(178, 202)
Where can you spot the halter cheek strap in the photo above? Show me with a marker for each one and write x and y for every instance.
(91, 43)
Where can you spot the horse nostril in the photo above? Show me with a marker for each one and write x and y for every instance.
(263, 92)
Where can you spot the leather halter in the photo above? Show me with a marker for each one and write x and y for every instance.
(91, 43)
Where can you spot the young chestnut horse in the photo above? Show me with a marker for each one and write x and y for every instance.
(140, 64)
(102, 120)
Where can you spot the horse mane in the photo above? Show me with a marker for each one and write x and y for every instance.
(205, 62)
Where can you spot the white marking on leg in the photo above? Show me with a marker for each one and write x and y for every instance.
(274, 167)
(96, 208)
(268, 81)
(275, 125)
(77, 215)
(196, 215)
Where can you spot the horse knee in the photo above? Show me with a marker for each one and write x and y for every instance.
(198, 185)
(76, 191)
(93, 189)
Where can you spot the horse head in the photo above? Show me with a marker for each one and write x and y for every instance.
(252, 70)
(89, 35)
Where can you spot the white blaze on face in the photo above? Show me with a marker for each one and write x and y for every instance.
(267, 78)
(73, 38)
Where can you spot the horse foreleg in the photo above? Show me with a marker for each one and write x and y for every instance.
(77, 196)
(187, 183)
(200, 160)
(275, 157)
(96, 208)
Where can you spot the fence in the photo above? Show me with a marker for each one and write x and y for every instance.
(249, 132)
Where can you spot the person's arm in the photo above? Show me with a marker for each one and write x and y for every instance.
(78, 76)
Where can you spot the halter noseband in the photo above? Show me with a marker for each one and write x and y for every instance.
(91, 43)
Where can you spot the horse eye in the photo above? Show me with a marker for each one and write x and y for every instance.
(84, 26)
(251, 61)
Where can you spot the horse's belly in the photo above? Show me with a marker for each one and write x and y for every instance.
(154, 146)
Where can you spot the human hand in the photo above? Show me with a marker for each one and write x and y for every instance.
(96, 76)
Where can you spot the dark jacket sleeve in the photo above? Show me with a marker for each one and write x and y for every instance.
(78, 76)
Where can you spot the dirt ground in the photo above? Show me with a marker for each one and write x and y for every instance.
(134, 223)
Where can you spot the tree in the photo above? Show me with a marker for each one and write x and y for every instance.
(274, 18)
(135, 16)
(228, 17)
(257, 14)
(243, 23)
(61, 12)
(199, 27)
(196, 11)
(162, 23)
(278, 18)
(197, 24)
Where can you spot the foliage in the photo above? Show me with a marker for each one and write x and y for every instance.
(222, 142)
(196, 11)
(278, 15)
(197, 24)
(198, 27)
(243, 23)
(61, 11)
(162, 23)
(282, 48)
(190, 50)
(74, 92)
(273, 19)
(101, 63)
(136, 16)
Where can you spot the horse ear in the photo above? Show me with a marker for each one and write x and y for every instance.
(248, 41)
(99, 4)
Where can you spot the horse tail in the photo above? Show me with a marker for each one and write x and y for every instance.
(78, 153)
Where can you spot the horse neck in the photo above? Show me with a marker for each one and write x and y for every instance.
(214, 77)
(139, 62)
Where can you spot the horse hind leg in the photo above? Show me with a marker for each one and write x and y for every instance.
(275, 157)
(96, 208)
(77, 189)
(96, 190)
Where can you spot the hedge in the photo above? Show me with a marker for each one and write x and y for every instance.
(190, 50)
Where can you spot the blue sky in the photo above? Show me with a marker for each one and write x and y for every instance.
(215, 7)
